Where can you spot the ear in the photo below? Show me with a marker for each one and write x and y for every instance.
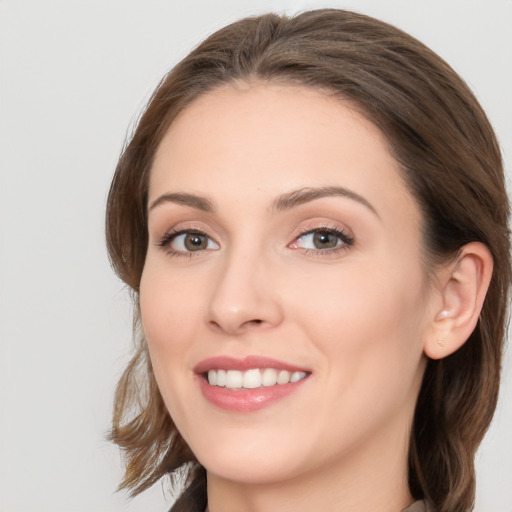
(463, 285)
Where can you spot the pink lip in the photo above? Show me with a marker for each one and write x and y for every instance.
(247, 363)
(245, 400)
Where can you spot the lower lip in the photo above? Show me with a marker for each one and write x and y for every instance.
(247, 400)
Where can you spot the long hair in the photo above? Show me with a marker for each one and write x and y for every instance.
(451, 163)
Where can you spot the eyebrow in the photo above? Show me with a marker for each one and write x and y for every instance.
(304, 195)
(284, 202)
(197, 202)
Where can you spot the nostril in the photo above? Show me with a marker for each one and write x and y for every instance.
(252, 323)
(256, 321)
(232, 326)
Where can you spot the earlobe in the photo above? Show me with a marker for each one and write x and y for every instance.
(464, 284)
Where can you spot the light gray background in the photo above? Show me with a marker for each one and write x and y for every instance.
(74, 74)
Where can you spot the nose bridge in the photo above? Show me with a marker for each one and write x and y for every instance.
(243, 295)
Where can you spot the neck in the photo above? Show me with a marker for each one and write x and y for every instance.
(361, 482)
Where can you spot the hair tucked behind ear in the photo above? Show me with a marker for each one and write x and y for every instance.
(452, 165)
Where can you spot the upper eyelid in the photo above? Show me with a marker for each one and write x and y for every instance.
(333, 229)
(184, 227)
(165, 242)
(175, 232)
(322, 225)
(346, 238)
(304, 227)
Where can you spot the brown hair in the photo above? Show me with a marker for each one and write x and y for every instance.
(451, 163)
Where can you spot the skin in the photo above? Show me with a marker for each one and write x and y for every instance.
(357, 318)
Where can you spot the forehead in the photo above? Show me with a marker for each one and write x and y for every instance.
(264, 138)
(288, 113)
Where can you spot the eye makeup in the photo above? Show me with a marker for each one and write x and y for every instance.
(186, 242)
(322, 240)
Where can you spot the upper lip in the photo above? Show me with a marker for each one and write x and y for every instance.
(243, 364)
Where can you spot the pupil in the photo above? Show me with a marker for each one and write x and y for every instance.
(322, 239)
(195, 242)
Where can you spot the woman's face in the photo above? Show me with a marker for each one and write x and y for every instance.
(284, 245)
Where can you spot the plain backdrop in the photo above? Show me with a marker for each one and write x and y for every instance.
(73, 76)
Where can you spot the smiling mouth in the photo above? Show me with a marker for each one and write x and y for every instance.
(253, 378)
(248, 384)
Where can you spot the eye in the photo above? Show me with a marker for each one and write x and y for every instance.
(325, 239)
(187, 242)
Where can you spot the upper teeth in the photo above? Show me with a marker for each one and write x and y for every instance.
(250, 379)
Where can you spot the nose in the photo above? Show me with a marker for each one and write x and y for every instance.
(244, 296)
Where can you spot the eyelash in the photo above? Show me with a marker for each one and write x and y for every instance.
(170, 236)
(346, 239)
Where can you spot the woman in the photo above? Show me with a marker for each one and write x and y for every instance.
(312, 217)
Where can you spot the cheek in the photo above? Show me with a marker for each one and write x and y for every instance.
(366, 331)
(170, 315)
(360, 297)
(170, 318)
(365, 319)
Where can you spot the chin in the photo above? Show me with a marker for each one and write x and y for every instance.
(250, 459)
(255, 470)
